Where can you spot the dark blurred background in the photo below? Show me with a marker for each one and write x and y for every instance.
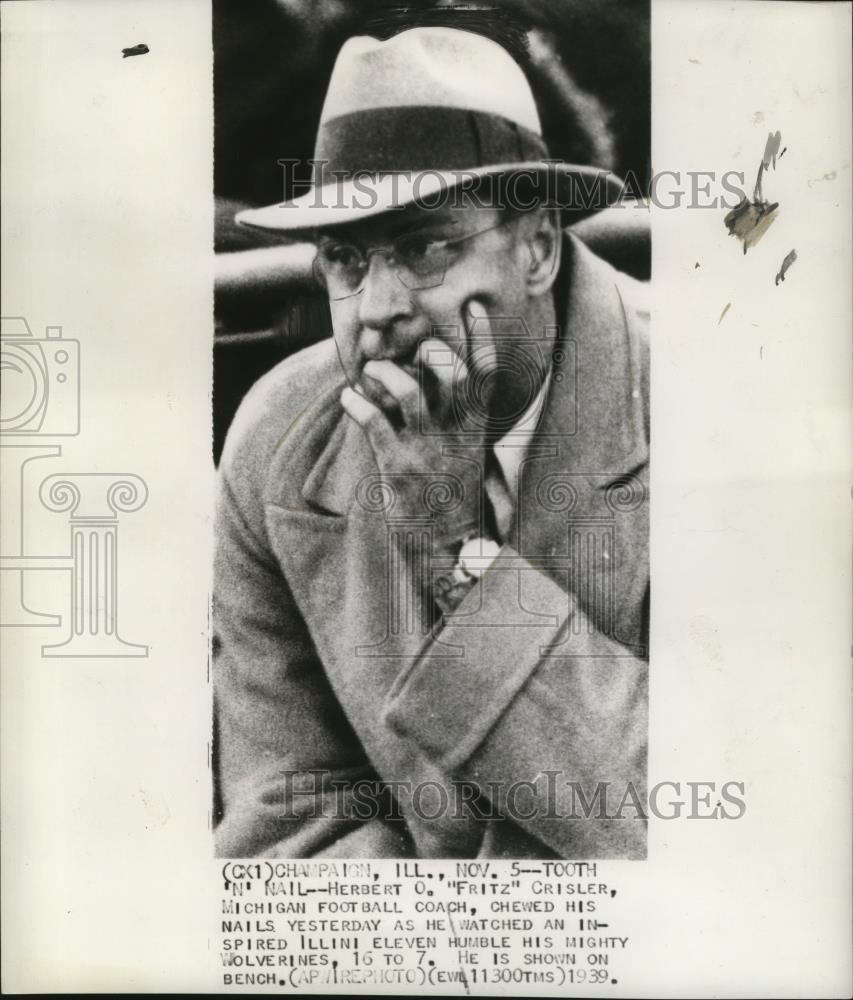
(588, 62)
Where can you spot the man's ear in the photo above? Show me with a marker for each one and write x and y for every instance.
(542, 233)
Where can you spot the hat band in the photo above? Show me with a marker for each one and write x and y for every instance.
(415, 138)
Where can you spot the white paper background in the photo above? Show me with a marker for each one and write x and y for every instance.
(108, 881)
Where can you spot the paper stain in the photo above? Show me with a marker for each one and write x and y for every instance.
(706, 634)
(135, 50)
(155, 806)
(786, 263)
(750, 220)
(723, 313)
(771, 149)
(826, 177)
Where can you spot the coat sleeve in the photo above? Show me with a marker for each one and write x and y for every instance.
(292, 778)
(550, 721)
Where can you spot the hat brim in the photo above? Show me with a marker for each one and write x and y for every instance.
(578, 191)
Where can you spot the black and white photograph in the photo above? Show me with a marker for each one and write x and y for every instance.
(431, 587)
(425, 479)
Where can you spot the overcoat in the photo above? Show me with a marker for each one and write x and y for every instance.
(352, 723)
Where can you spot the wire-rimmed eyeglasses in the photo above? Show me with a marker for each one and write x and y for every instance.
(420, 260)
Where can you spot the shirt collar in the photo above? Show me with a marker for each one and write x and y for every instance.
(511, 448)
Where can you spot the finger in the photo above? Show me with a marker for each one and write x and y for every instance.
(438, 358)
(377, 394)
(439, 365)
(482, 353)
(475, 314)
(397, 385)
(370, 418)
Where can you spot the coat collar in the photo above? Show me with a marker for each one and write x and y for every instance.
(597, 410)
(596, 413)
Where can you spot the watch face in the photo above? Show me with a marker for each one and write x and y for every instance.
(477, 554)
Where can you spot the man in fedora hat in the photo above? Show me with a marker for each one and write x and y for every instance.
(431, 580)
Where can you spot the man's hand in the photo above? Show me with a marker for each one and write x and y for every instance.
(414, 424)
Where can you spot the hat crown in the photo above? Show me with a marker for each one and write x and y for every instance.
(430, 67)
(414, 116)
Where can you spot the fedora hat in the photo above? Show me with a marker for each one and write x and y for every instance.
(421, 115)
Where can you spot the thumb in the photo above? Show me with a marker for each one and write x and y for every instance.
(481, 350)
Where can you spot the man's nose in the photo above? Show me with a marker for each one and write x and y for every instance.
(384, 298)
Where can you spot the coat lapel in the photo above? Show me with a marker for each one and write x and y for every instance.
(583, 516)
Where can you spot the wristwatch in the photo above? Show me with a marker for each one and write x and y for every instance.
(476, 555)
(473, 559)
